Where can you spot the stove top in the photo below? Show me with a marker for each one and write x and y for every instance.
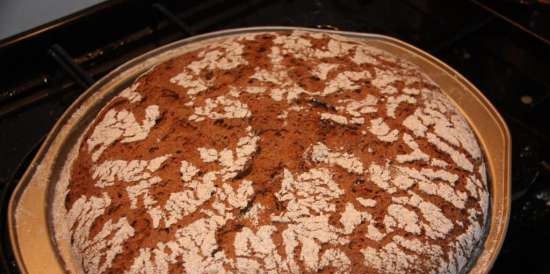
(503, 47)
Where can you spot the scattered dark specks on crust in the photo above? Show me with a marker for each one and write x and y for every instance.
(278, 153)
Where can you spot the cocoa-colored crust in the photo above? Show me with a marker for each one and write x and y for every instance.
(285, 142)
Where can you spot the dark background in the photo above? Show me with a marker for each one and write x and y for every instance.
(501, 46)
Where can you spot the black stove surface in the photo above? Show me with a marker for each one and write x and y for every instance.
(501, 46)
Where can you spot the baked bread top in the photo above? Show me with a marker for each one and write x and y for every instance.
(287, 152)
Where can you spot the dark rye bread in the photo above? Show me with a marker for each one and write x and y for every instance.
(277, 153)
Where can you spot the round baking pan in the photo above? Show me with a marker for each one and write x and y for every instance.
(29, 211)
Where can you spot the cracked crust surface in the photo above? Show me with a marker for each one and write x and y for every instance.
(278, 153)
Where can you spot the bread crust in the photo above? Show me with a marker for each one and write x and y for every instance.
(291, 152)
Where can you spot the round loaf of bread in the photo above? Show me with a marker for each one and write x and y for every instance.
(285, 152)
